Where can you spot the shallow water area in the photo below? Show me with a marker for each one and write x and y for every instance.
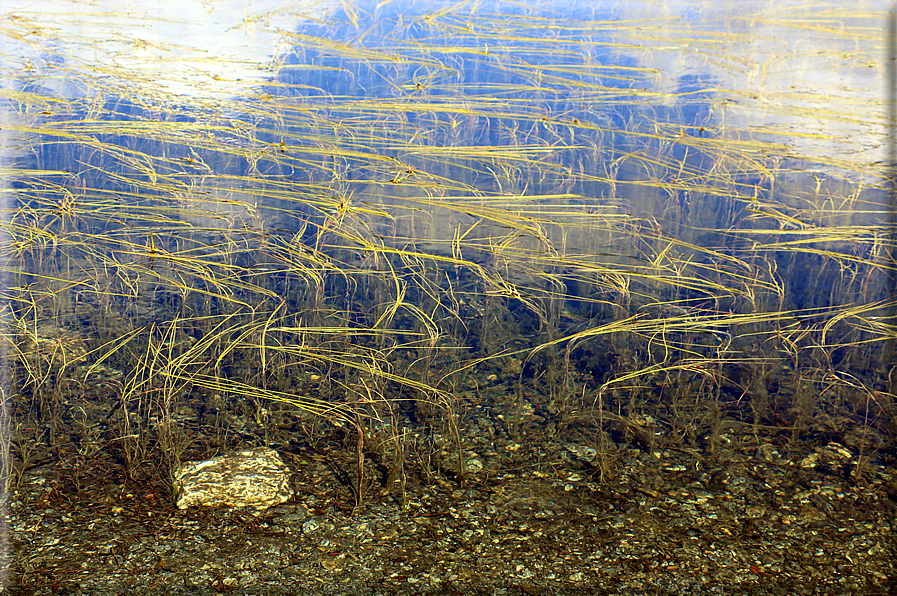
(542, 298)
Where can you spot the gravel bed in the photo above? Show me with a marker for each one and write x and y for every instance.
(535, 519)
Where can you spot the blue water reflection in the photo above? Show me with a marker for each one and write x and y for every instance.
(633, 191)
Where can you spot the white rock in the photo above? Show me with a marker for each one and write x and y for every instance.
(248, 478)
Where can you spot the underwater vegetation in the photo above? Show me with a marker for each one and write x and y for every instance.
(412, 204)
